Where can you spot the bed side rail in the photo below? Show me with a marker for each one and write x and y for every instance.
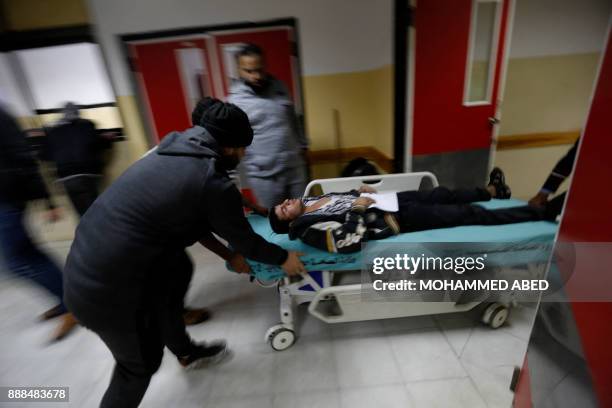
(382, 182)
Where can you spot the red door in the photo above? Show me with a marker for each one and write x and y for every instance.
(458, 58)
(171, 75)
(174, 74)
(587, 223)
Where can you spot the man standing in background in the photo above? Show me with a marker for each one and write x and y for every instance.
(76, 148)
(275, 163)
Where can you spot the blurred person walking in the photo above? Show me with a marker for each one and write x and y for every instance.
(21, 182)
(76, 148)
(128, 272)
(275, 163)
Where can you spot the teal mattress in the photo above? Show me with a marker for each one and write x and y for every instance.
(316, 260)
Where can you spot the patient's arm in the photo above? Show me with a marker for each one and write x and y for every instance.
(367, 189)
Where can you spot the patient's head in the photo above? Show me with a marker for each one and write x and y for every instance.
(282, 214)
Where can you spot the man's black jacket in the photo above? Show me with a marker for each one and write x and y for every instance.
(562, 170)
(20, 179)
(165, 202)
(76, 148)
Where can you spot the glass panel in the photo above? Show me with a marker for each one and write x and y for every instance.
(192, 66)
(482, 53)
(58, 74)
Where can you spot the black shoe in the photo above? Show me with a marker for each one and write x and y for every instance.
(497, 179)
(205, 355)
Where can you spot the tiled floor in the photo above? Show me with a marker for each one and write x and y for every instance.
(444, 361)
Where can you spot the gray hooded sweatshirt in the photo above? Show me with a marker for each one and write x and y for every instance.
(278, 138)
(163, 203)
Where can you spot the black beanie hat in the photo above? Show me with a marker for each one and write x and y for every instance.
(278, 226)
(226, 122)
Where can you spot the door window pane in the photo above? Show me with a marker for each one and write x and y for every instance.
(192, 70)
(482, 50)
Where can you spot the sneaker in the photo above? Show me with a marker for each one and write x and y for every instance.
(498, 180)
(204, 355)
(195, 316)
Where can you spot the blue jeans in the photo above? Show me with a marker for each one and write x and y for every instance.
(22, 257)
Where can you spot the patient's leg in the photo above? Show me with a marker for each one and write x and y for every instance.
(416, 217)
(443, 195)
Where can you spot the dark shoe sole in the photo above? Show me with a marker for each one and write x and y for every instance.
(205, 362)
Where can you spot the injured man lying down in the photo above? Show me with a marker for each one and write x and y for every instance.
(340, 222)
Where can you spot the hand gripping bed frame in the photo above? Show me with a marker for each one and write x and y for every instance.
(335, 295)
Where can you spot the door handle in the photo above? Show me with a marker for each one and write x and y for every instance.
(494, 121)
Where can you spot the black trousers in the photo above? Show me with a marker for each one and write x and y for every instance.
(82, 191)
(138, 352)
(443, 208)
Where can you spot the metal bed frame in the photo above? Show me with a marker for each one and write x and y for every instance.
(336, 303)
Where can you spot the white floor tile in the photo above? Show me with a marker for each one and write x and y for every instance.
(493, 384)
(311, 399)
(241, 402)
(488, 349)
(457, 332)
(388, 396)
(425, 355)
(309, 326)
(249, 373)
(308, 365)
(520, 322)
(457, 393)
(366, 362)
(250, 325)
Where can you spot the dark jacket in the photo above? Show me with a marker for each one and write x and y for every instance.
(76, 148)
(165, 202)
(20, 179)
(340, 226)
(562, 170)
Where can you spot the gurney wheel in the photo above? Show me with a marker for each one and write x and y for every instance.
(280, 337)
(495, 315)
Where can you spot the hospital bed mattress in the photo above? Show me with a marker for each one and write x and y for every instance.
(316, 260)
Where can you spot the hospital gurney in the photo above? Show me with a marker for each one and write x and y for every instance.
(335, 295)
